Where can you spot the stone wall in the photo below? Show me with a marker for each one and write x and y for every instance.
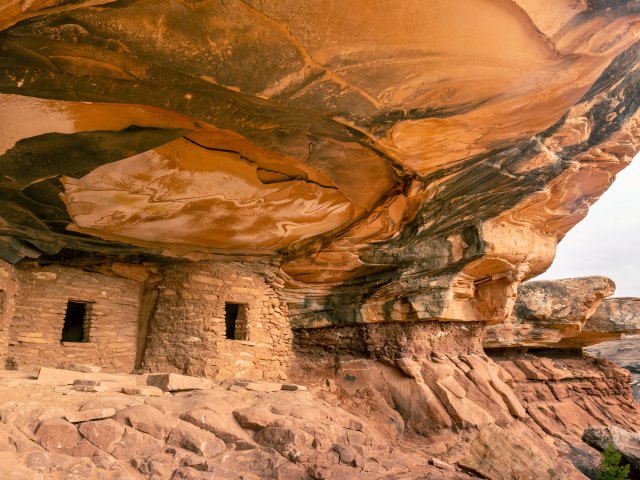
(187, 331)
(8, 290)
(110, 329)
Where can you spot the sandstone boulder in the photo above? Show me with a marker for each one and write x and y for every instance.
(347, 453)
(284, 439)
(255, 417)
(550, 313)
(584, 461)
(188, 473)
(57, 435)
(224, 427)
(503, 454)
(188, 436)
(38, 461)
(148, 420)
(103, 460)
(84, 448)
(627, 443)
(103, 433)
(136, 444)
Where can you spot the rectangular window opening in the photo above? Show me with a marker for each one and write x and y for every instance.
(76, 328)
(235, 320)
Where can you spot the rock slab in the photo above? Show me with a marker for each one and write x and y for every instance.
(143, 391)
(173, 382)
(88, 415)
(501, 454)
(78, 367)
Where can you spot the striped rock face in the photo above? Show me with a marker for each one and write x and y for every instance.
(400, 160)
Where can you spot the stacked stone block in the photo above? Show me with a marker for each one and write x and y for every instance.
(8, 290)
(41, 303)
(187, 331)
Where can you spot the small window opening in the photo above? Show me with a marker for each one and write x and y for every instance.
(75, 322)
(235, 321)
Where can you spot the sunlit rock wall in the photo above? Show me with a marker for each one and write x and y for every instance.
(416, 162)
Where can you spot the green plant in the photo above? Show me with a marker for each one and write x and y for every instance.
(610, 468)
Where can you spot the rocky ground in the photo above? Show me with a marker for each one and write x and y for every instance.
(242, 430)
(357, 418)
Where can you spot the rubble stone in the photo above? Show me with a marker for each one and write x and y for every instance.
(146, 391)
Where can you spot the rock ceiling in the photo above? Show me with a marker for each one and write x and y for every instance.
(407, 156)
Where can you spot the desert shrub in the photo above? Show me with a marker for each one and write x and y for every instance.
(610, 468)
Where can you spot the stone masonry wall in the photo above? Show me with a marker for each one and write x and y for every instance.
(35, 333)
(187, 331)
(8, 291)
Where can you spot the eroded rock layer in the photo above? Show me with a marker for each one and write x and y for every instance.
(407, 160)
(531, 404)
(614, 318)
(569, 313)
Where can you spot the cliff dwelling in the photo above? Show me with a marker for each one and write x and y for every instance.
(77, 320)
(65, 315)
(209, 318)
(302, 239)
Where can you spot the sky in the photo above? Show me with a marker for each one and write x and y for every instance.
(607, 241)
